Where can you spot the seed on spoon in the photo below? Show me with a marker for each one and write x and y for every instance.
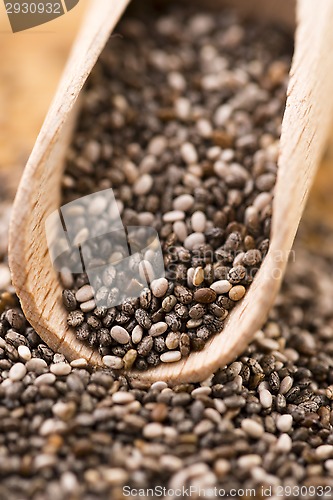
(199, 181)
(137, 334)
(159, 287)
(114, 362)
(221, 286)
(193, 240)
(170, 356)
(157, 329)
(205, 295)
(237, 292)
(85, 293)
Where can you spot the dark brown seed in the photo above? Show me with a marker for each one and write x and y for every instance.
(205, 295)
(274, 381)
(158, 316)
(141, 364)
(181, 273)
(15, 318)
(225, 302)
(197, 344)
(119, 351)
(128, 307)
(159, 412)
(159, 344)
(213, 324)
(100, 312)
(155, 304)
(218, 311)
(233, 242)
(122, 319)
(92, 338)
(69, 300)
(221, 272)
(104, 337)
(153, 358)
(15, 339)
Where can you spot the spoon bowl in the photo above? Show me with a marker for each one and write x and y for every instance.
(305, 129)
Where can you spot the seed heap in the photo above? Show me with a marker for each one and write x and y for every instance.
(181, 118)
(266, 419)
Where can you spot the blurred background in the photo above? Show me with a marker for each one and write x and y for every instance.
(31, 65)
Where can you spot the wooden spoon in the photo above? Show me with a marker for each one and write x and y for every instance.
(305, 129)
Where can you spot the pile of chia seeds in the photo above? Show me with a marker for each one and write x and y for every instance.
(265, 421)
(181, 118)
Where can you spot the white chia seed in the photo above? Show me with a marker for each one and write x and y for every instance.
(119, 334)
(221, 286)
(24, 352)
(114, 362)
(159, 287)
(284, 423)
(189, 153)
(170, 356)
(85, 293)
(198, 222)
(157, 329)
(17, 372)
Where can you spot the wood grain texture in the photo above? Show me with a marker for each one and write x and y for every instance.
(305, 129)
